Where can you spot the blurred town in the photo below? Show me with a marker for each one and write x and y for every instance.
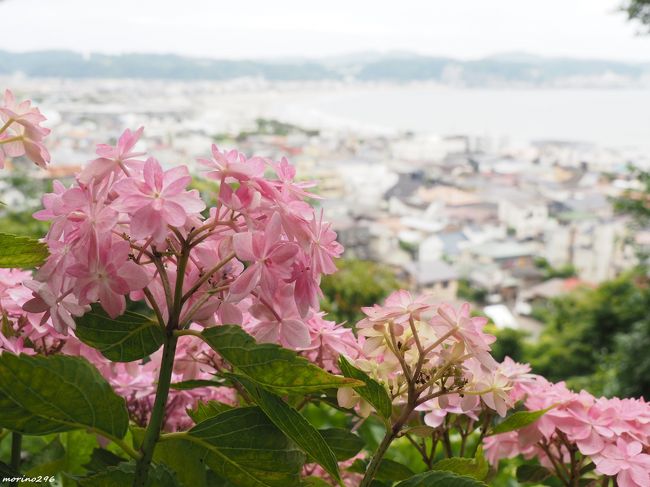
(456, 214)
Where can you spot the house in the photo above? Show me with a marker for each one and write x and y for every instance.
(596, 247)
(501, 316)
(541, 293)
(435, 277)
(526, 215)
(507, 254)
(441, 244)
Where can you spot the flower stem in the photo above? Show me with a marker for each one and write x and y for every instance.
(371, 471)
(16, 447)
(152, 433)
(391, 434)
(11, 139)
(207, 276)
(6, 125)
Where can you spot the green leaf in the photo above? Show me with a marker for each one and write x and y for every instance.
(213, 480)
(7, 471)
(185, 459)
(123, 475)
(476, 468)
(392, 471)
(248, 450)
(21, 252)
(101, 459)
(128, 337)
(205, 410)
(532, 473)
(195, 384)
(314, 482)
(389, 470)
(19, 419)
(275, 368)
(518, 420)
(441, 479)
(343, 443)
(587, 468)
(79, 446)
(423, 431)
(59, 390)
(372, 391)
(295, 426)
(48, 461)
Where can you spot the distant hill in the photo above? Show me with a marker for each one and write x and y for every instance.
(505, 69)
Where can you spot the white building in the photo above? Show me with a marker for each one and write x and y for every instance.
(527, 216)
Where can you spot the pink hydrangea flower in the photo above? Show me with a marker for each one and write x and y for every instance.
(60, 309)
(157, 201)
(20, 131)
(229, 166)
(270, 258)
(107, 275)
(114, 159)
(324, 247)
(328, 342)
(468, 329)
(280, 322)
(626, 461)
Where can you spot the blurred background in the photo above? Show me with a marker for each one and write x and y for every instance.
(495, 152)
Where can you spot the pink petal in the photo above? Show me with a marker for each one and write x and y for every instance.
(113, 304)
(175, 180)
(591, 445)
(272, 232)
(243, 245)
(134, 275)
(283, 253)
(295, 334)
(245, 283)
(173, 214)
(189, 200)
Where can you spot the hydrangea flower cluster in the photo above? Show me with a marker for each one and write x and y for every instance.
(129, 230)
(127, 227)
(350, 478)
(21, 133)
(614, 434)
(137, 384)
(434, 357)
(329, 341)
(507, 375)
(28, 333)
(21, 332)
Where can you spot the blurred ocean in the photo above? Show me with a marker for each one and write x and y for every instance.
(613, 118)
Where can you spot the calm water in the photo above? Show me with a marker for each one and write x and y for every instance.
(609, 118)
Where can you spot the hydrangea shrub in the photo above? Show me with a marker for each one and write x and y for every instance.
(186, 337)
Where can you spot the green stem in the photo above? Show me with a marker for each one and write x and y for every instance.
(126, 448)
(152, 433)
(371, 471)
(194, 333)
(179, 435)
(16, 447)
(175, 315)
(391, 434)
(446, 443)
(207, 276)
(485, 426)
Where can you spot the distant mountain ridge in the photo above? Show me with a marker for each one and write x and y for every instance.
(509, 68)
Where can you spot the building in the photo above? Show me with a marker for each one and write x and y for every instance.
(435, 277)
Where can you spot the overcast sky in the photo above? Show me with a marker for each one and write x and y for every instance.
(306, 28)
